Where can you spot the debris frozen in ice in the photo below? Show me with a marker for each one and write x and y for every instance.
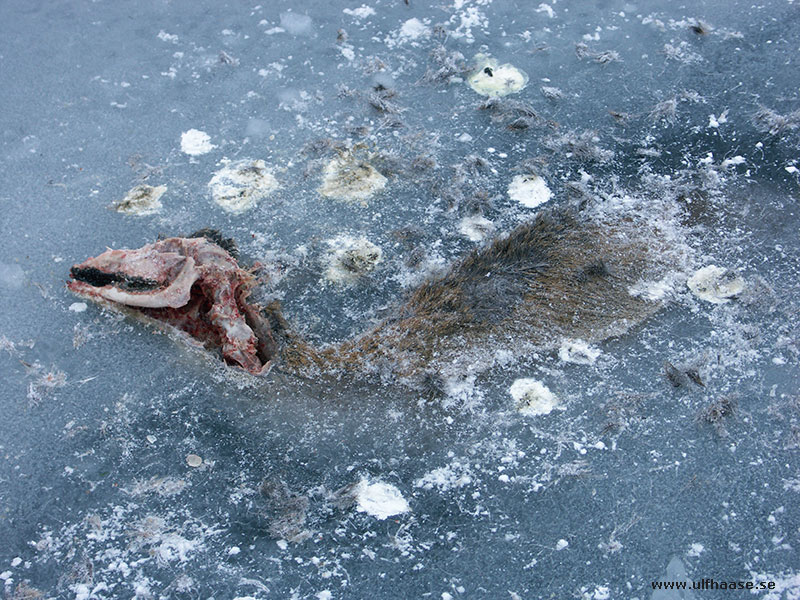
(141, 200)
(239, 185)
(349, 179)
(552, 93)
(195, 142)
(578, 352)
(716, 284)
(379, 499)
(489, 78)
(193, 460)
(529, 190)
(351, 258)
(533, 397)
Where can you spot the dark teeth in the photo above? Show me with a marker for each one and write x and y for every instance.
(94, 277)
(98, 278)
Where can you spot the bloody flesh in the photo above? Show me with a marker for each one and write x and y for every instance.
(191, 284)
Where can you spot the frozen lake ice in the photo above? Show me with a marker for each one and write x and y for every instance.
(132, 466)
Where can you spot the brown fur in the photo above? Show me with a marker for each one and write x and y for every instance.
(557, 276)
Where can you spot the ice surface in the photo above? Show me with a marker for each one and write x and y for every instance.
(692, 108)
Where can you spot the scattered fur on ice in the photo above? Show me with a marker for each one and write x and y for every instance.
(775, 124)
(583, 146)
(603, 57)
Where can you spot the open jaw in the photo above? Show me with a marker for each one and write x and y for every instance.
(191, 284)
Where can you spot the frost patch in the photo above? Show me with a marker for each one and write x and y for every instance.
(467, 20)
(239, 185)
(489, 78)
(787, 585)
(715, 284)
(529, 190)
(142, 200)
(195, 142)
(296, 24)
(533, 397)
(380, 500)
(654, 291)
(12, 277)
(454, 475)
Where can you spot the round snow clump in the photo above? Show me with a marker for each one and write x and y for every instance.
(346, 178)
(715, 284)
(195, 142)
(239, 185)
(381, 500)
(533, 397)
(350, 258)
(529, 190)
(492, 79)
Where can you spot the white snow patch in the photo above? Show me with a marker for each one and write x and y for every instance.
(362, 12)
(350, 258)
(695, 550)
(78, 307)
(141, 200)
(787, 585)
(490, 78)
(715, 284)
(412, 31)
(533, 397)
(561, 544)
(195, 142)
(346, 178)
(578, 352)
(529, 190)
(733, 161)
(601, 592)
(167, 37)
(547, 9)
(467, 20)
(239, 185)
(714, 122)
(381, 500)
(454, 475)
